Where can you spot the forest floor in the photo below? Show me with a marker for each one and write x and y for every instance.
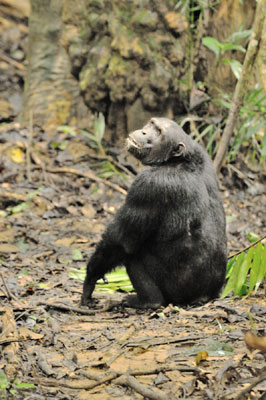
(53, 209)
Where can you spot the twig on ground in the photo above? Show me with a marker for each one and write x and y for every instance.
(29, 147)
(255, 382)
(12, 196)
(145, 391)
(10, 295)
(87, 385)
(158, 342)
(15, 63)
(87, 174)
(69, 308)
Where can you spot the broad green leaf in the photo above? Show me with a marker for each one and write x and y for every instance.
(243, 271)
(67, 129)
(240, 35)
(255, 268)
(4, 382)
(252, 237)
(230, 46)
(235, 66)
(99, 127)
(232, 282)
(77, 255)
(262, 269)
(229, 267)
(117, 280)
(212, 44)
(78, 274)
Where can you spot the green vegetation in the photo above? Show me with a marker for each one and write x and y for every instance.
(117, 280)
(11, 388)
(246, 271)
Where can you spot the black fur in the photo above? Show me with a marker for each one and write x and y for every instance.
(170, 232)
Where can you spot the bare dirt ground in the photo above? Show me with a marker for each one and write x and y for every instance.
(53, 209)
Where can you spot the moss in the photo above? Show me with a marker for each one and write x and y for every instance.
(145, 19)
(117, 66)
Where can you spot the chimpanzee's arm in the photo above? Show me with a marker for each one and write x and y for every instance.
(132, 225)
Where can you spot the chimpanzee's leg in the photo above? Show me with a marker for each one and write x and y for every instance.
(148, 293)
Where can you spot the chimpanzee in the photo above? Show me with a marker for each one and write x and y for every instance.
(170, 232)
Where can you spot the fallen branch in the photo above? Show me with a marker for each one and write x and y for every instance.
(158, 342)
(145, 391)
(87, 384)
(87, 174)
(68, 308)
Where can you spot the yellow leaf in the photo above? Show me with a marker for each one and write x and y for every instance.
(8, 248)
(25, 333)
(201, 356)
(65, 241)
(17, 155)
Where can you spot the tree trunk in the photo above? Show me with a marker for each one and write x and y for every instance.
(129, 60)
(51, 91)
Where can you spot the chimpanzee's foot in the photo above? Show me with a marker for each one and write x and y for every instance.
(134, 301)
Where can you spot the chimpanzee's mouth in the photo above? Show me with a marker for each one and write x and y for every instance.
(132, 142)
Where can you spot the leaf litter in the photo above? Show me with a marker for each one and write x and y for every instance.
(53, 349)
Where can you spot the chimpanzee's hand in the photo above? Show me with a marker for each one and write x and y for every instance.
(88, 288)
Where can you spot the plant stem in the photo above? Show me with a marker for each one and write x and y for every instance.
(250, 57)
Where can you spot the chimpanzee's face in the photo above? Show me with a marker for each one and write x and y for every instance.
(157, 142)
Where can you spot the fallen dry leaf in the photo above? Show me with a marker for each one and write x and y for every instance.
(255, 342)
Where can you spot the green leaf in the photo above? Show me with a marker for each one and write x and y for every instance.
(4, 382)
(243, 271)
(67, 129)
(77, 255)
(25, 385)
(212, 44)
(99, 127)
(19, 208)
(231, 283)
(240, 35)
(235, 66)
(78, 274)
(230, 46)
(252, 237)
(117, 280)
(229, 267)
(262, 269)
(255, 268)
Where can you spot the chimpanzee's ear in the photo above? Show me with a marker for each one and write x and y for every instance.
(179, 150)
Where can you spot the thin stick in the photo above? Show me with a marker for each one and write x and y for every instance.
(69, 308)
(8, 292)
(28, 151)
(248, 247)
(88, 174)
(255, 382)
(144, 390)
